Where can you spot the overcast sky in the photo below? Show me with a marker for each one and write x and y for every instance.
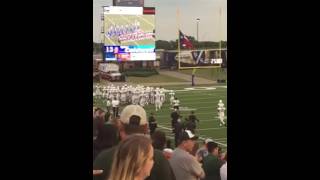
(212, 26)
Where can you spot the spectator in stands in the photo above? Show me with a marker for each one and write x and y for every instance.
(158, 140)
(108, 137)
(221, 154)
(223, 169)
(167, 153)
(133, 120)
(212, 163)
(98, 121)
(133, 159)
(203, 151)
(184, 165)
(152, 123)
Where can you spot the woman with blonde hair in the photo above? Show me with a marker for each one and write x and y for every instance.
(133, 159)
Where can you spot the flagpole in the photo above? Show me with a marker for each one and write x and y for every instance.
(220, 30)
(178, 30)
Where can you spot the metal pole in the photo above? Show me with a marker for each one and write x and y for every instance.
(198, 29)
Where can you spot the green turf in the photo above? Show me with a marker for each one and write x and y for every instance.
(207, 73)
(203, 101)
(153, 79)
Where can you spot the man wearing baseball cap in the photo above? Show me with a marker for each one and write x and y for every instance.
(203, 151)
(133, 120)
(184, 165)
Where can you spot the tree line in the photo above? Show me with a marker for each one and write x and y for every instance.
(173, 45)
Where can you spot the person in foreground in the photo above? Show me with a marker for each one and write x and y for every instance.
(133, 120)
(133, 159)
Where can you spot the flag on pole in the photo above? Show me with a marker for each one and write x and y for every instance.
(184, 41)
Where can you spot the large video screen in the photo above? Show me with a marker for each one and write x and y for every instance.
(128, 2)
(129, 33)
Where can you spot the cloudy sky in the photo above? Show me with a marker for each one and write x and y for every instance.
(212, 26)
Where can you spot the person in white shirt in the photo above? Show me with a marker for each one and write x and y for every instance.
(223, 169)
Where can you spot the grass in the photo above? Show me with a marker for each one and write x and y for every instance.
(153, 79)
(208, 73)
(204, 104)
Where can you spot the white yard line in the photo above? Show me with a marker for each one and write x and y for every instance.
(152, 25)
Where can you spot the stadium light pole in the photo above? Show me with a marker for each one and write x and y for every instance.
(198, 20)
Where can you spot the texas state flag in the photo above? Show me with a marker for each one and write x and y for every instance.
(184, 41)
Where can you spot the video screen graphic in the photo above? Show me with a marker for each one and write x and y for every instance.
(202, 58)
(129, 33)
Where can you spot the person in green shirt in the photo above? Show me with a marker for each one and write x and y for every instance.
(212, 163)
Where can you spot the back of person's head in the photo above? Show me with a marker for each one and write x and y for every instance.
(133, 119)
(159, 140)
(99, 118)
(167, 152)
(96, 109)
(206, 141)
(107, 137)
(98, 113)
(133, 158)
(212, 147)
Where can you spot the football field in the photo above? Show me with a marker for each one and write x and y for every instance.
(203, 101)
